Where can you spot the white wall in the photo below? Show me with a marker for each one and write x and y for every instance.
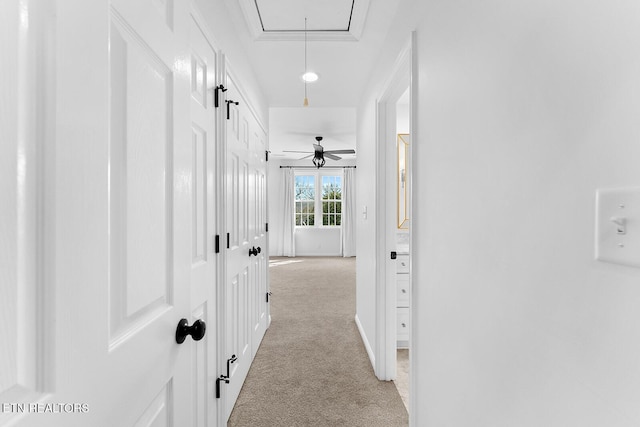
(318, 242)
(402, 113)
(275, 194)
(309, 241)
(524, 110)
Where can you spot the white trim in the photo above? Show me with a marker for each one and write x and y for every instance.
(413, 309)
(254, 25)
(316, 36)
(251, 16)
(358, 18)
(365, 341)
(333, 254)
(393, 88)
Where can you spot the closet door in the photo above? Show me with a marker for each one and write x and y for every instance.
(246, 309)
(240, 250)
(260, 263)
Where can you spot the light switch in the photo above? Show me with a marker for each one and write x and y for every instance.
(618, 226)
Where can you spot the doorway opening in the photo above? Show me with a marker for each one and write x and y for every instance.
(394, 286)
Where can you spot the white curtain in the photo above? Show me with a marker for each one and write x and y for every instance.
(349, 213)
(288, 228)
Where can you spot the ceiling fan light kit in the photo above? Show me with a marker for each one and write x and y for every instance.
(319, 154)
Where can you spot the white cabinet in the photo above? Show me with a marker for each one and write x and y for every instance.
(403, 301)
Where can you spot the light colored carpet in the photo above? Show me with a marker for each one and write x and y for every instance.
(402, 375)
(312, 368)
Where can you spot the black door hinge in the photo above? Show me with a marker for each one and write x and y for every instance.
(216, 102)
(266, 155)
(228, 238)
(217, 243)
(229, 102)
(268, 295)
(266, 227)
(225, 378)
(394, 255)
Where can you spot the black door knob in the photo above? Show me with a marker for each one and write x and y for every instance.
(253, 251)
(197, 330)
(259, 250)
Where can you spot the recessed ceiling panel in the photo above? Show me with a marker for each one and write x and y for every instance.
(288, 15)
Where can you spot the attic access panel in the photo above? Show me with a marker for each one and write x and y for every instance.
(288, 15)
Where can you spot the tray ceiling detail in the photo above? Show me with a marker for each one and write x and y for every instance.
(326, 20)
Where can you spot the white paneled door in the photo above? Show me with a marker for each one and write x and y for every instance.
(204, 150)
(246, 309)
(107, 182)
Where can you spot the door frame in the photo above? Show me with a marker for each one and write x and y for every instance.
(403, 75)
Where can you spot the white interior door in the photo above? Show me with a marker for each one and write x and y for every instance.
(258, 219)
(237, 290)
(203, 221)
(101, 217)
(246, 307)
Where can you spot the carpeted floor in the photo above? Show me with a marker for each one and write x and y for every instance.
(312, 368)
(402, 375)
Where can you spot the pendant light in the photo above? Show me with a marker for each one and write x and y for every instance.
(305, 103)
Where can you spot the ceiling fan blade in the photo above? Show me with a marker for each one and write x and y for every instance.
(340, 151)
(306, 157)
(331, 156)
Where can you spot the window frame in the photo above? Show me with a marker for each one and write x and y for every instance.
(318, 174)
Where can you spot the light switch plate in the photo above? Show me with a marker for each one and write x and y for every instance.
(618, 226)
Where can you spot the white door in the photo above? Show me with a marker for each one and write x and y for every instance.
(258, 232)
(239, 253)
(203, 237)
(101, 213)
(246, 309)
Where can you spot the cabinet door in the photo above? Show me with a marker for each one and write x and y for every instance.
(402, 290)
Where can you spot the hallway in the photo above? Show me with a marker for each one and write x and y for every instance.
(312, 368)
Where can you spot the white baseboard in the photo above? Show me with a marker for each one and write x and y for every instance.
(365, 341)
(311, 254)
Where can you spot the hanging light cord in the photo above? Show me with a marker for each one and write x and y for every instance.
(306, 100)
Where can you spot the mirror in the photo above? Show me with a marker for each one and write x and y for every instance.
(403, 180)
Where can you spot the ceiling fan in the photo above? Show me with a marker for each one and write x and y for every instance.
(319, 153)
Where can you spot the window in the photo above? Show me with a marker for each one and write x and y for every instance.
(331, 200)
(305, 193)
(320, 195)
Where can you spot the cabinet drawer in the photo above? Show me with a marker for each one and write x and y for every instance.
(403, 326)
(402, 290)
(402, 264)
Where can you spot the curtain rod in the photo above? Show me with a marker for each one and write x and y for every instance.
(313, 167)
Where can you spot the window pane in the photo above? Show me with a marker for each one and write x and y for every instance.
(304, 199)
(305, 187)
(331, 196)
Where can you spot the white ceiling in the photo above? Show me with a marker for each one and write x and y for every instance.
(288, 15)
(296, 128)
(342, 59)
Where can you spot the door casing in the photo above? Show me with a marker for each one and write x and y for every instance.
(403, 75)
